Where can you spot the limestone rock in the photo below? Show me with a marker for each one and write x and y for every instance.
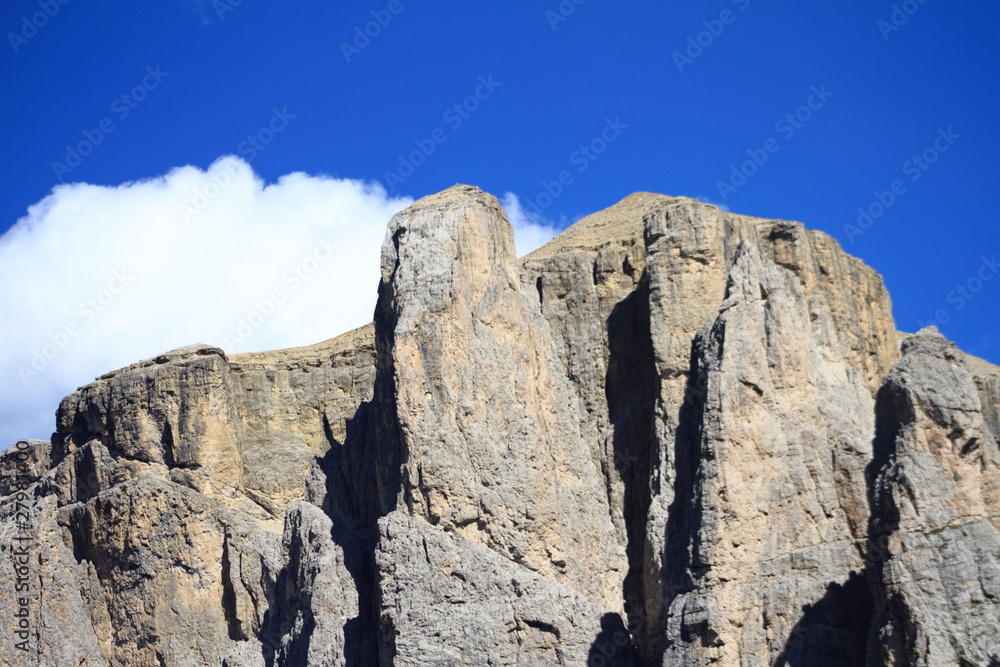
(316, 603)
(987, 377)
(770, 503)
(692, 247)
(44, 590)
(155, 545)
(935, 513)
(24, 464)
(691, 251)
(242, 429)
(488, 430)
(146, 573)
(649, 442)
(448, 601)
(591, 287)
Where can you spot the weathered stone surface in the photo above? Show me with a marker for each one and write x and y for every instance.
(770, 502)
(448, 601)
(153, 529)
(624, 332)
(691, 251)
(243, 430)
(488, 424)
(316, 598)
(651, 432)
(45, 589)
(935, 513)
(987, 377)
(183, 578)
(587, 284)
(144, 573)
(25, 462)
(692, 247)
(591, 288)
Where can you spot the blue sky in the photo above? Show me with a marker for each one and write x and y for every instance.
(622, 97)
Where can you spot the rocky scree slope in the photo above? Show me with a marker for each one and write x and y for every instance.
(673, 435)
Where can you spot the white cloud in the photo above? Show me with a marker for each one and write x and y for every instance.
(95, 278)
(531, 231)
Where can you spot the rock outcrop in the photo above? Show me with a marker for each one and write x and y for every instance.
(672, 435)
(154, 517)
(488, 429)
(935, 519)
(449, 601)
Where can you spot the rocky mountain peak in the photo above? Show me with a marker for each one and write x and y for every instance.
(672, 435)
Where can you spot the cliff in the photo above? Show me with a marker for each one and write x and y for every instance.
(672, 435)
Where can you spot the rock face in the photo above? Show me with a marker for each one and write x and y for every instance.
(149, 530)
(769, 499)
(673, 435)
(449, 601)
(487, 422)
(243, 430)
(935, 513)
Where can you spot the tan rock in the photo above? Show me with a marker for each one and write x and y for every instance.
(487, 421)
(652, 431)
(770, 503)
(242, 429)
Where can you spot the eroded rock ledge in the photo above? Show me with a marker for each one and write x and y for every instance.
(673, 435)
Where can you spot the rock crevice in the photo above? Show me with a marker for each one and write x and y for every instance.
(672, 435)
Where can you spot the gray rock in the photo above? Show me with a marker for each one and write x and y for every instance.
(935, 521)
(590, 286)
(489, 439)
(316, 598)
(448, 601)
(23, 464)
(770, 503)
(652, 432)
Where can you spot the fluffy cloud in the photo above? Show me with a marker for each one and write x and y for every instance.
(95, 278)
(530, 230)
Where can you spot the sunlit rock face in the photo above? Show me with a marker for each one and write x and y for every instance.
(673, 435)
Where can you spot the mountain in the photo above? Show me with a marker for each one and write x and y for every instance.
(671, 436)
